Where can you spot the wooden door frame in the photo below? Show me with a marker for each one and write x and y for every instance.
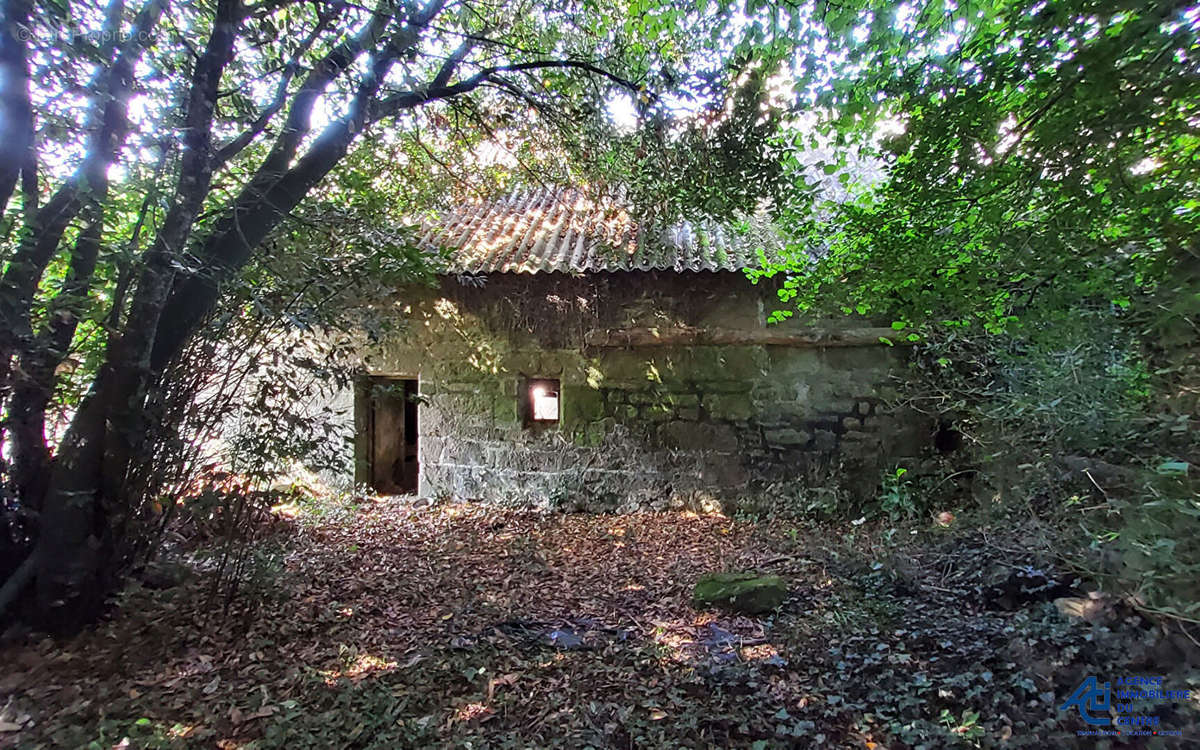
(364, 424)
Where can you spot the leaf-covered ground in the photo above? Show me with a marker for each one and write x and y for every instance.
(391, 625)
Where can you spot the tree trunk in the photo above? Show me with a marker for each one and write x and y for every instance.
(74, 545)
(77, 560)
(31, 458)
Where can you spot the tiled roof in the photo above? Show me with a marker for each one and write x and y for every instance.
(565, 230)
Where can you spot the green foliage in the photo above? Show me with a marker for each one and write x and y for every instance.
(1046, 159)
(967, 726)
(1147, 545)
(896, 495)
(1014, 188)
(1078, 383)
(720, 162)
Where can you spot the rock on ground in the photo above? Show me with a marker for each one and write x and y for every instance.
(747, 593)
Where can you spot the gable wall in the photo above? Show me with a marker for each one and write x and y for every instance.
(649, 425)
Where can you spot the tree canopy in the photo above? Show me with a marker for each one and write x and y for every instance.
(1031, 154)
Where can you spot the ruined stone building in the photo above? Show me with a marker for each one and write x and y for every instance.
(571, 358)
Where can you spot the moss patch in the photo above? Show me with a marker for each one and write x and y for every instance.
(747, 593)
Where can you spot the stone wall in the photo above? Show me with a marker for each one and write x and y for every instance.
(651, 425)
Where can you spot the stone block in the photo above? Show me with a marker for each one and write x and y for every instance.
(740, 363)
(800, 392)
(861, 437)
(657, 412)
(522, 363)
(683, 399)
(580, 404)
(504, 410)
(723, 470)
(836, 406)
(428, 387)
(729, 406)
(461, 387)
(646, 397)
(690, 436)
(857, 359)
(786, 437)
(625, 365)
(724, 386)
(794, 363)
(687, 363)
(777, 412)
(557, 362)
(509, 387)
(466, 452)
(824, 441)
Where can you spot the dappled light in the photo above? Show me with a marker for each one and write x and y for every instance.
(358, 667)
(464, 621)
(613, 376)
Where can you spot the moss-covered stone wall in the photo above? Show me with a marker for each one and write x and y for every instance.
(651, 425)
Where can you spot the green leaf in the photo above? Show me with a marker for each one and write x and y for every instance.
(1173, 468)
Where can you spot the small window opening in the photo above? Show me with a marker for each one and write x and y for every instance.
(541, 401)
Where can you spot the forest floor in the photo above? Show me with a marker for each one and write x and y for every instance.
(385, 624)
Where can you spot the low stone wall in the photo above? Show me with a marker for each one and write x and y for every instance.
(654, 425)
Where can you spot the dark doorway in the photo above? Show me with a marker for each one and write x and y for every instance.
(392, 427)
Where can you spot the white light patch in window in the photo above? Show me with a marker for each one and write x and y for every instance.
(545, 404)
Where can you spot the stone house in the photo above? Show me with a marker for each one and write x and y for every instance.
(573, 359)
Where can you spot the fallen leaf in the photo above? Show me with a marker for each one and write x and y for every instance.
(494, 683)
(261, 713)
(413, 660)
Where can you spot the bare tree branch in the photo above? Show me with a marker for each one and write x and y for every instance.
(403, 100)
(264, 202)
(235, 146)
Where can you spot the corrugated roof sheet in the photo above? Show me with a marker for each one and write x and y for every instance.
(566, 230)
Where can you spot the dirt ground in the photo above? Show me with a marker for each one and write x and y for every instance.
(387, 624)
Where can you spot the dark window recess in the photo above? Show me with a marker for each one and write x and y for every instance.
(540, 402)
(947, 439)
